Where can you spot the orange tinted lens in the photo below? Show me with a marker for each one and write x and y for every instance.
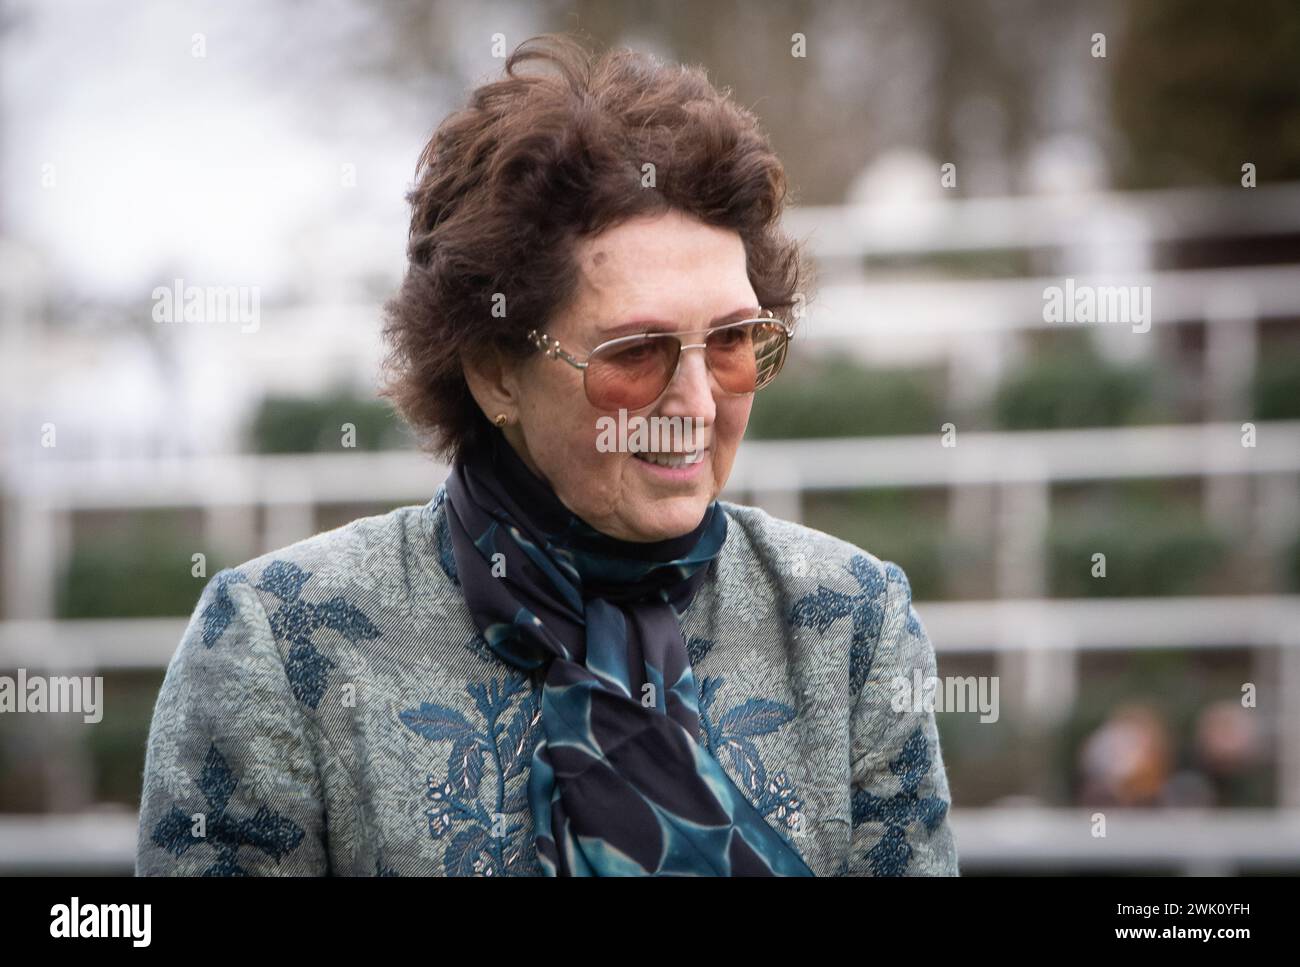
(632, 374)
(745, 357)
(771, 342)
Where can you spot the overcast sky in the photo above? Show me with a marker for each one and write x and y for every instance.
(223, 167)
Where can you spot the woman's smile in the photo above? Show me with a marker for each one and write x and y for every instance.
(673, 468)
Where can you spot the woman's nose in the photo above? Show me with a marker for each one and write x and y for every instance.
(690, 392)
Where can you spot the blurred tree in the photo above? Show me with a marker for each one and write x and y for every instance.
(962, 81)
(1200, 87)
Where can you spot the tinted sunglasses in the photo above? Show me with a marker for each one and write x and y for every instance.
(631, 372)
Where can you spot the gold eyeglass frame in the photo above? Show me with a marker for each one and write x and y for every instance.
(552, 349)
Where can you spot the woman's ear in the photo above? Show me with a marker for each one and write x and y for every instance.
(493, 381)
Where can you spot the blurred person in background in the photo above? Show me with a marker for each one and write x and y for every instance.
(1229, 748)
(1128, 760)
(574, 660)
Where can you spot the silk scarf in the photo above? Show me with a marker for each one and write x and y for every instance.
(619, 783)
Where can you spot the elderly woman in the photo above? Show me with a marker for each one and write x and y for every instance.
(574, 660)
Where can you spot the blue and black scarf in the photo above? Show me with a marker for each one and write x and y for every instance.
(620, 784)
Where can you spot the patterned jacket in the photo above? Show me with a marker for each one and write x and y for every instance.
(332, 709)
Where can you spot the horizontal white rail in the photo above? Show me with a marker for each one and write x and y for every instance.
(1203, 449)
(102, 644)
(1245, 621)
(1174, 450)
(951, 224)
(101, 843)
(848, 308)
(1126, 624)
(242, 480)
(1196, 840)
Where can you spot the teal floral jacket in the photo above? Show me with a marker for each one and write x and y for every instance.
(332, 710)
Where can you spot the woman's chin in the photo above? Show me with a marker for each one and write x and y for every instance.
(668, 517)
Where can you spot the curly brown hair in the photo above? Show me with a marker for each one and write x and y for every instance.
(535, 162)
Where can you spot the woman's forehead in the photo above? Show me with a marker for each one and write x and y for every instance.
(638, 299)
(610, 313)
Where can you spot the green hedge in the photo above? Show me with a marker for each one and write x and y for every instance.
(836, 397)
(891, 524)
(293, 425)
(1060, 388)
(133, 579)
(1076, 389)
(1151, 550)
(1276, 391)
(117, 744)
(1147, 554)
(133, 564)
